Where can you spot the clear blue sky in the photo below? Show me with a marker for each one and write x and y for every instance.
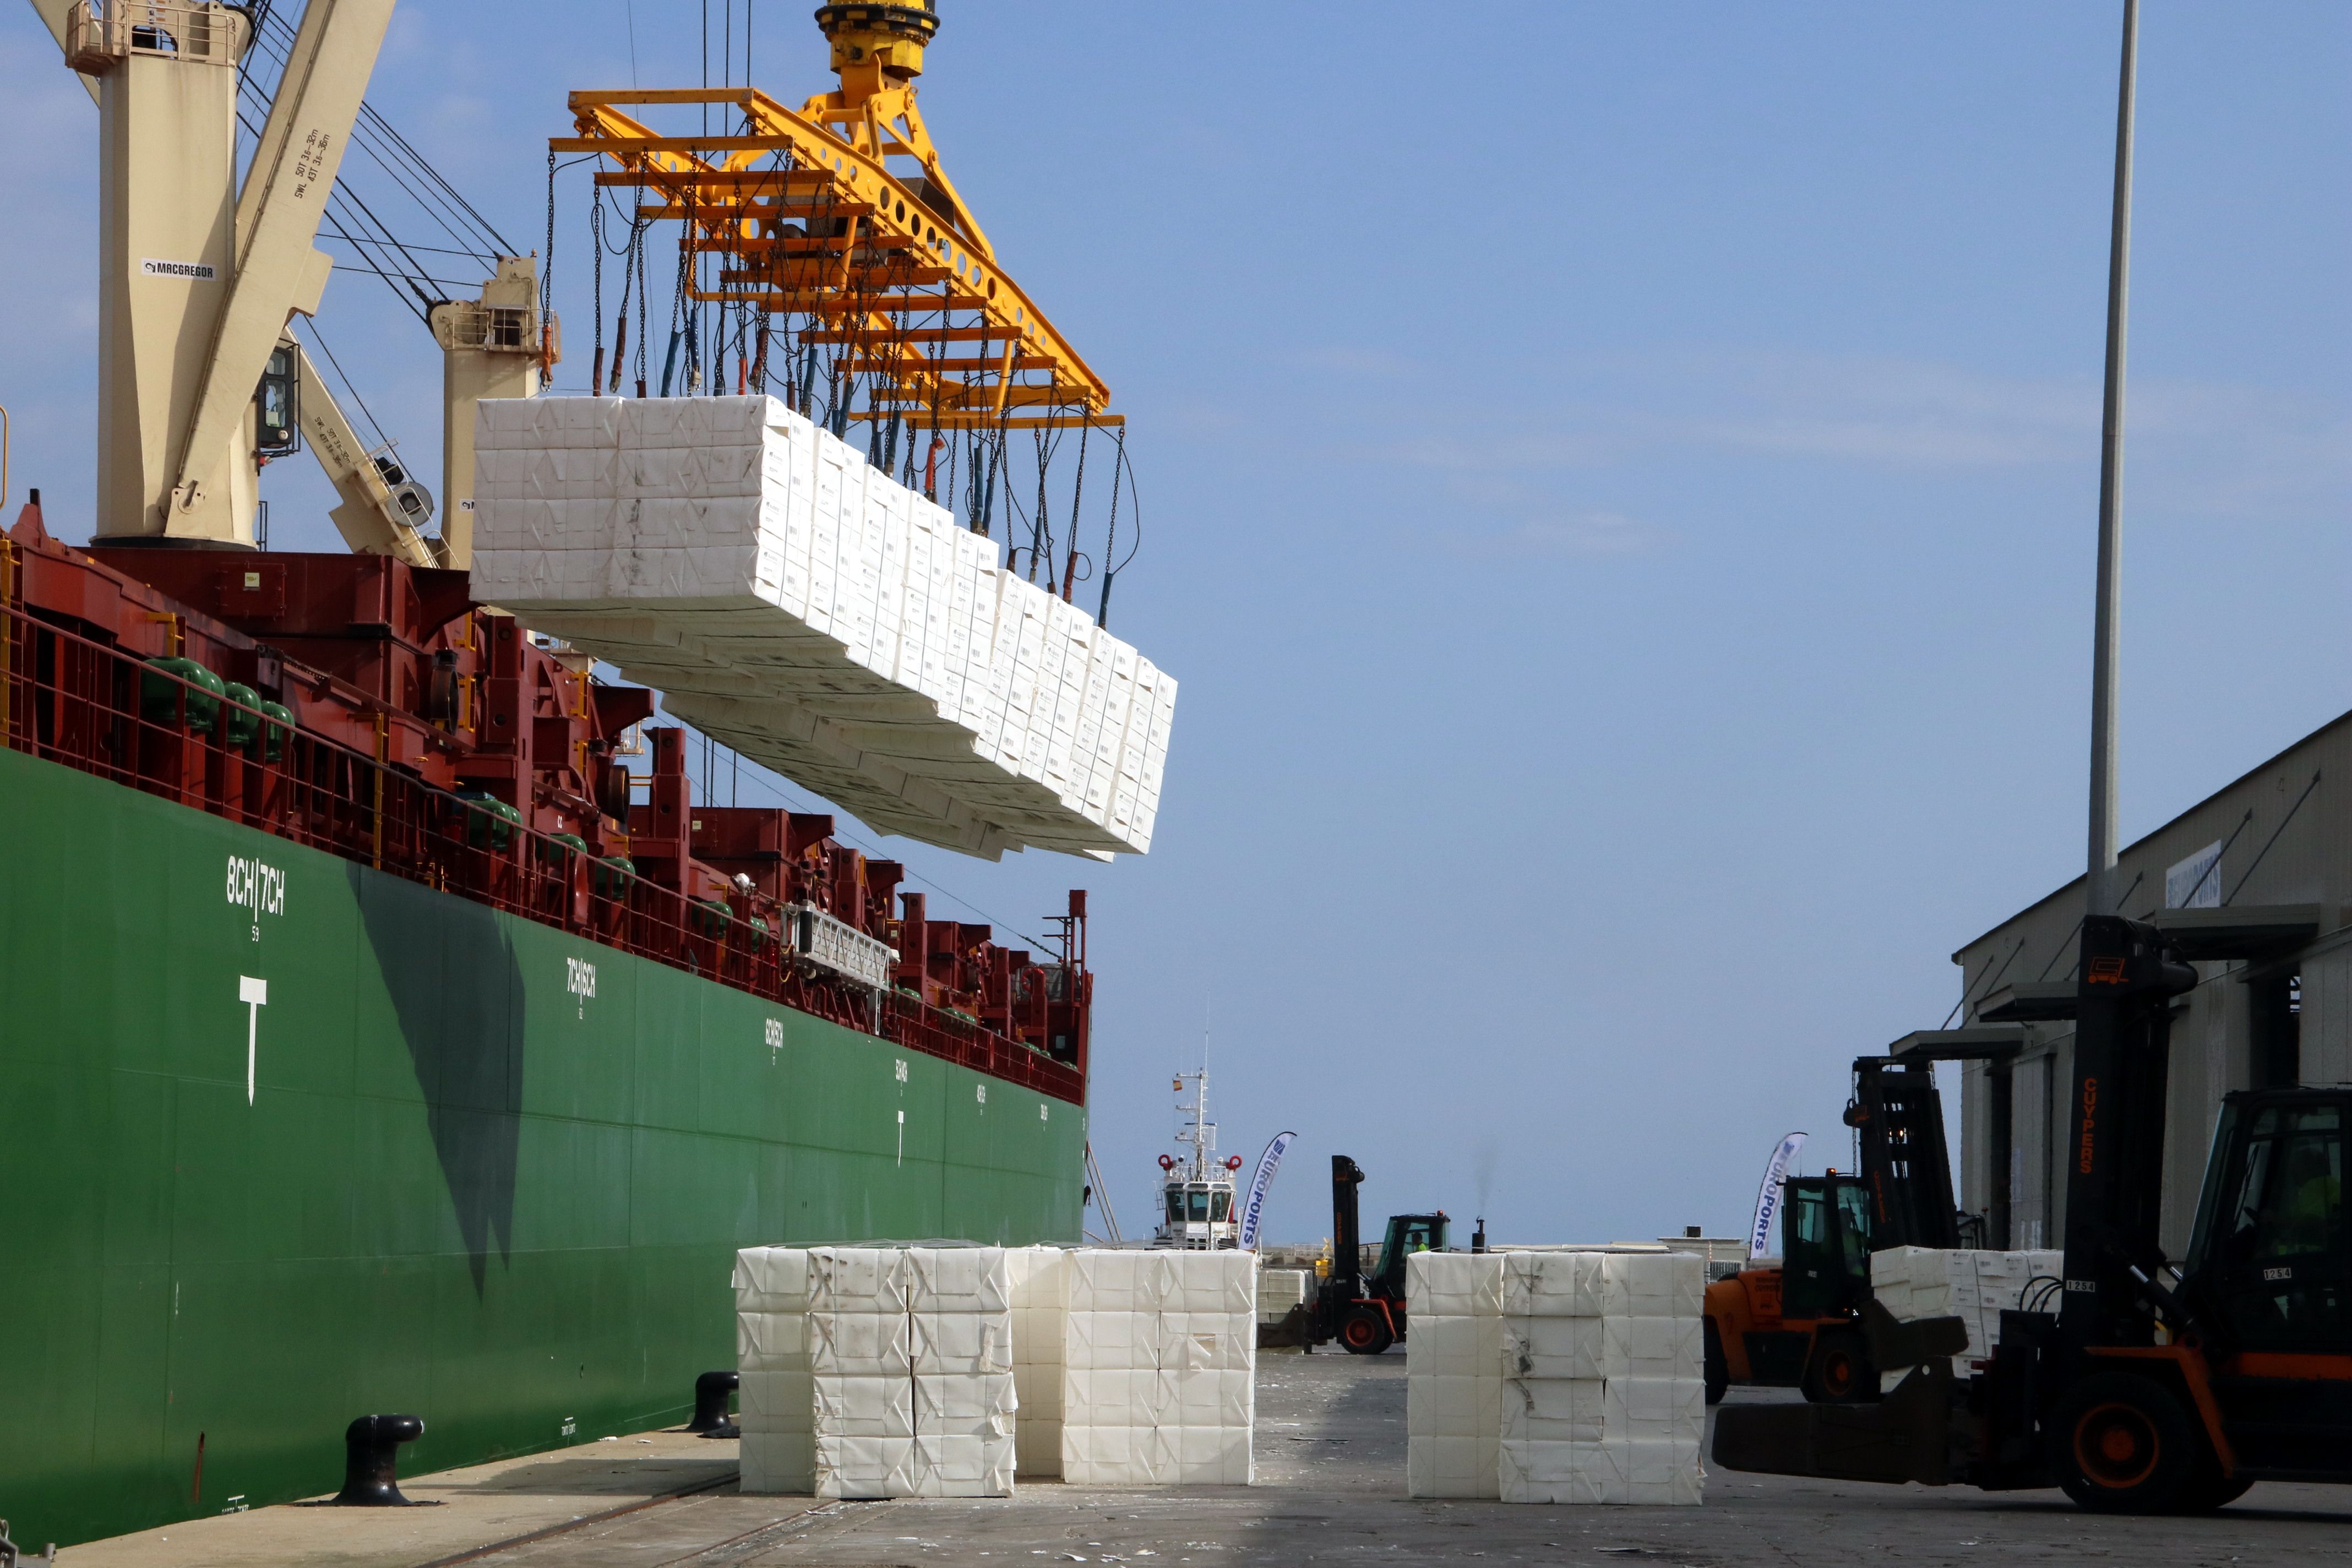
(1621, 484)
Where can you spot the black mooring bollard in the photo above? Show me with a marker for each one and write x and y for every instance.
(370, 1460)
(711, 1391)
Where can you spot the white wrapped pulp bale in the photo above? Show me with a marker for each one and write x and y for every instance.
(819, 617)
(1159, 1364)
(1555, 1376)
(1278, 1291)
(875, 1372)
(933, 1372)
(1975, 1286)
(778, 1451)
(1454, 1366)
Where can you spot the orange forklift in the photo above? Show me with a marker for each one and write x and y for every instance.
(1801, 1325)
(2137, 1385)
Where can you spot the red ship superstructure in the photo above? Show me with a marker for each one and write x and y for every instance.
(371, 708)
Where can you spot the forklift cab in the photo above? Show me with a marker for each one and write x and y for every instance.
(1824, 1247)
(1407, 1234)
(2270, 1258)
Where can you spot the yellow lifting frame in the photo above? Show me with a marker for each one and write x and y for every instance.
(715, 185)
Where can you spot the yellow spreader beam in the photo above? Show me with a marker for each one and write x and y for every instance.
(807, 218)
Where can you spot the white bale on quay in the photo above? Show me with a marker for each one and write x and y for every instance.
(875, 1372)
(778, 1452)
(1556, 1376)
(939, 1372)
(1454, 1375)
(1280, 1289)
(820, 618)
(1161, 1352)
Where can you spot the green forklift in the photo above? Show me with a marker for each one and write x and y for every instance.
(1365, 1312)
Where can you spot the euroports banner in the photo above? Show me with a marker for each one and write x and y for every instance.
(1768, 1196)
(1267, 1164)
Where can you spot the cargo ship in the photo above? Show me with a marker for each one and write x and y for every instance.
(387, 1025)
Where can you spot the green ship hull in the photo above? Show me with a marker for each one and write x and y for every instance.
(285, 1141)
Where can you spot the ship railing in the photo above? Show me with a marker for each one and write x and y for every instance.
(71, 700)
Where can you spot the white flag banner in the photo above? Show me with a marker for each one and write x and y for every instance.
(1768, 1196)
(1262, 1179)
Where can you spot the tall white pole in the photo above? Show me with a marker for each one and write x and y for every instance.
(2103, 896)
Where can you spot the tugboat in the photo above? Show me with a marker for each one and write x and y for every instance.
(1197, 1208)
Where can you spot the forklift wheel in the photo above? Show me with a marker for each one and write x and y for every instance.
(1839, 1372)
(2121, 1444)
(1364, 1332)
(2211, 1489)
(1717, 1370)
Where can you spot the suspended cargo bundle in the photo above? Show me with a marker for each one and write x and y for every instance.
(819, 617)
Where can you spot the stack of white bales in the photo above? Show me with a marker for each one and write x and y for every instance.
(1279, 1291)
(1973, 1285)
(1454, 1375)
(777, 1391)
(935, 1372)
(1159, 1363)
(819, 617)
(1567, 1376)
(897, 1380)
(959, 1305)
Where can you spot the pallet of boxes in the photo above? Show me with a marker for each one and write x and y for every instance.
(944, 1371)
(1555, 1376)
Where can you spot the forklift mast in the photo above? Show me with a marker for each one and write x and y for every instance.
(1346, 1281)
(2115, 1159)
(1904, 1163)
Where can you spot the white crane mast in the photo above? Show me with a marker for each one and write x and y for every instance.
(199, 279)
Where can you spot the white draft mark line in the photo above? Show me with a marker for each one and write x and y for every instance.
(255, 994)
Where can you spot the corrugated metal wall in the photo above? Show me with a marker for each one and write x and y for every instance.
(2287, 825)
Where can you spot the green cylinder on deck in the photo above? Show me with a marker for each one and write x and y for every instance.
(159, 694)
(273, 733)
(570, 841)
(490, 823)
(242, 718)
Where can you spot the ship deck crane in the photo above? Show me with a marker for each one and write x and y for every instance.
(382, 511)
(203, 278)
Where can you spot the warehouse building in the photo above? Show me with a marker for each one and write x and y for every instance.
(2257, 883)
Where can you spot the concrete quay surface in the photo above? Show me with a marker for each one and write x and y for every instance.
(1331, 1467)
